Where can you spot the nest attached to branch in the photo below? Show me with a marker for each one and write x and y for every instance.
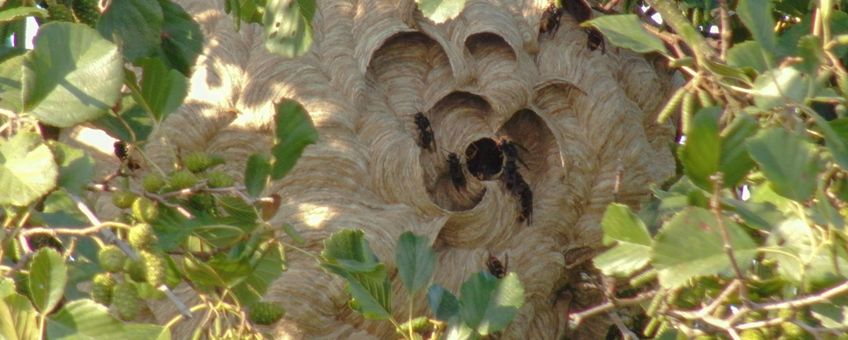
(585, 120)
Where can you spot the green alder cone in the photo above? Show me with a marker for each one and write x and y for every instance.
(265, 313)
(111, 258)
(123, 199)
(154, 268)
(126, 301)
(86, 11)
(204, 201)
(59, 12)
(183, 179)
(752, 334)
(141, 236)
(102, 287)
(198, 161)
(144, 210)
(153, 183)
(792, 331)
(135, 269)
(219, 179)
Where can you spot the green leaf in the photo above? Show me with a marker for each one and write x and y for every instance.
(441, 10)
(735, 162)
(757, 17)
(181, 38)
(267, 268)
(835, 136)
(811, 54)
(139, 331)
(216, 273)
(76, 168)
(832, 314)
(86, 319)
(787, 160)
(780, 86)
(691, 245)
(18, 320)
(633, 249)
(47, 278)
(135, 25)
(138, 125)
(443, 304)
(749, 54)
(347, 254)
(799, 255)
(288, 26)
(61, 211)
(757, 215)
(16, 13)
(294, 132)
(10, 83)
(256, 174)
(488, 304)
(626, 31)
(622, 225)
(27, 169)
(163, 89)
(702, 152)
(7, 287)
(83, 319)
(58, 73)
(415, 260)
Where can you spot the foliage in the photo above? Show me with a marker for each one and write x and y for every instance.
(487, 304)
(749, 239)
(194, 225)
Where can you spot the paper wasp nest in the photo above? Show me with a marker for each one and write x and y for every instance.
(585, 121)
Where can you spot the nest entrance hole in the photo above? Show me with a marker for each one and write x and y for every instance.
(483, 159)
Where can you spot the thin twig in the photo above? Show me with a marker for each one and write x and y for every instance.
(626, 332)
(708, 310)
(715, 206)
(577, 318)
(824, 296)
(726, 29)
(109, 236)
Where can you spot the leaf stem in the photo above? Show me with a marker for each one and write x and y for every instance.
(715, 206)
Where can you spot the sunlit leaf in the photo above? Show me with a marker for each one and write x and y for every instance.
(780, 86)
(626, 31)
(10, 83)
(288, 26)
(488, 304)
(632, 249)
(787, 160)
(27, 169)
(16, 13)
(440, 10)
(691, 245)
(57, 77)
(18, 320)
(48, 275)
